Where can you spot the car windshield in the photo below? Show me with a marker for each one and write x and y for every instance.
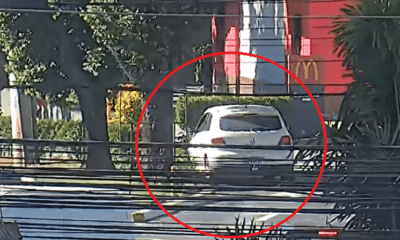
(250, 122)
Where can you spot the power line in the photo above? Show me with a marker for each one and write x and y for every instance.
(283, 62)
(281, 28)
(211, 2)
(201, 15)
(284, 38)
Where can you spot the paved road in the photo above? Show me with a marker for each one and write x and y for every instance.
(66, 222)
(199, 219)
(80, 222)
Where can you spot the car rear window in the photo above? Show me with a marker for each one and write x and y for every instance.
(250, 122)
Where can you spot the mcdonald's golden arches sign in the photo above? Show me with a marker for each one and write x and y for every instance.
(305, 69)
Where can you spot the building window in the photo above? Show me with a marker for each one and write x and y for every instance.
(297, 35)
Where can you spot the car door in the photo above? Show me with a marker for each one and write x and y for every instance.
(202, 136)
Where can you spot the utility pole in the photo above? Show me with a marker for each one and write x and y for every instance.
(22, 122)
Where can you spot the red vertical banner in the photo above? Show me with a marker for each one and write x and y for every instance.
(214, 30)
(231, 62)
(218, 65)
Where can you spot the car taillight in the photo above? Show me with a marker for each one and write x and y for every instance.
(218, 141)
(285, 140)
(328, 233)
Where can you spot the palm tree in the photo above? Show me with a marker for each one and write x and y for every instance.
(367, 36)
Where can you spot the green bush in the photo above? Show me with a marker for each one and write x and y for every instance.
(72, 130)
(116, 134)
(241, 228)
(5, 127)
(191, 102)
(60, 130)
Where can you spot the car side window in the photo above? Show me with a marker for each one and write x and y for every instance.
(208, 123)
(204, 123)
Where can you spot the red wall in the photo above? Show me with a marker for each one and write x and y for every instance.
(323, 48)
(226, 38)
(322, 58)
(231, 62)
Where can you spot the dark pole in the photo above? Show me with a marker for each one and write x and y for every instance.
(239, 7)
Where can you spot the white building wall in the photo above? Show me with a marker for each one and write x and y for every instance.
(5, 102)
(247, 64)
(263, 35)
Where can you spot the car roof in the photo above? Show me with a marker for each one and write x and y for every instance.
(232, 109)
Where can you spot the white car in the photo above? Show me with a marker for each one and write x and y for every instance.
(251, 125)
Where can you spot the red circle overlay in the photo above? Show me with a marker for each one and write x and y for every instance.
(213, 55)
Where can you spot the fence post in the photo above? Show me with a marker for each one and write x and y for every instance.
(168, 158)
(394, 221)
(161, 158)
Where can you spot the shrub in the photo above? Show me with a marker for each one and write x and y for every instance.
(60, 130)
(243, 229)
(120, 132)
(188, 109)
(193, 102)
(125, 107)
(72, 130)
(5, 127)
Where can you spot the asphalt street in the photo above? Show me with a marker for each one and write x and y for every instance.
(199, 219)
(82, 220)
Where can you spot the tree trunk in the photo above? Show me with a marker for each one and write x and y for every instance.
(93, 107)
(163, 114)
(396, 92)
(145, 128)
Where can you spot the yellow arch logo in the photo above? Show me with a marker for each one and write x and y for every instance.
(306, 65)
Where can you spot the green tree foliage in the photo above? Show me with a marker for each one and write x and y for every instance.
(87, 53)
(121, 39)
(94, 47)
(5, 127)
(367, 36)
(370, 111)
(108, 34)
(200, 51)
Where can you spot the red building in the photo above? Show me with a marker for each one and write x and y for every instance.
(225, 37)
(305, 47)
(310, 49)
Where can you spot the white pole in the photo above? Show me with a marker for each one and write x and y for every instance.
(16, 124)
(22, 121)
